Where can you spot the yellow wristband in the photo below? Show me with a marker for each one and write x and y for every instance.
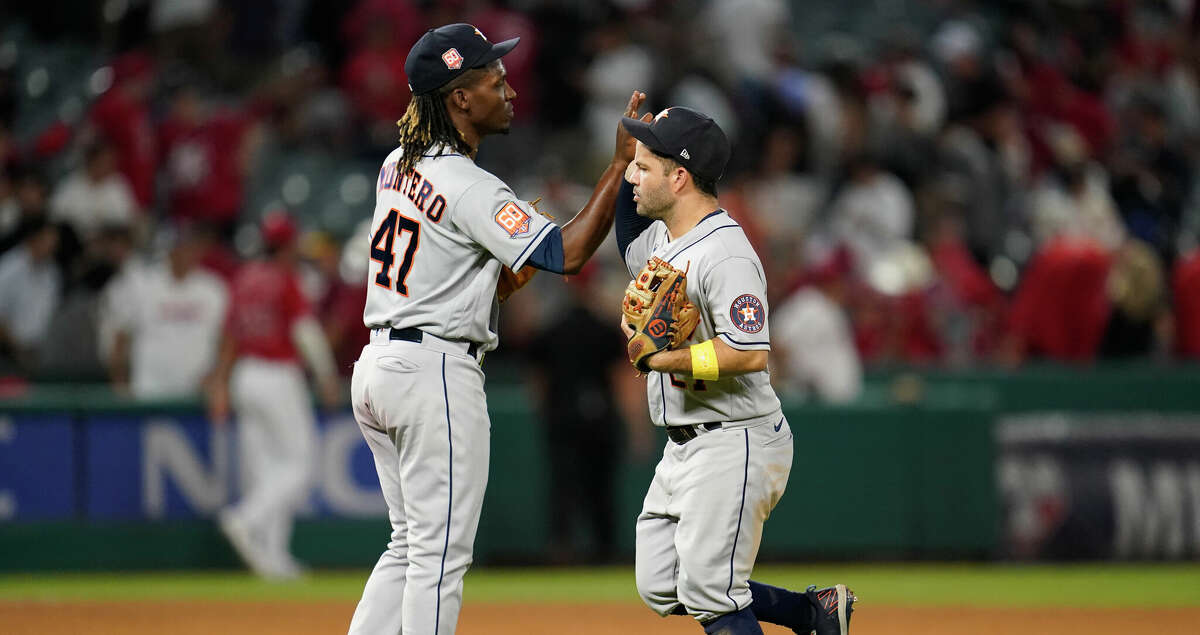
(704, 361)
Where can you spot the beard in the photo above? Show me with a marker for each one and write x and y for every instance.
(654, 205)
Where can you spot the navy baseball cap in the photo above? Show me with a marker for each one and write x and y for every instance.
(690, 137)
(447, 52)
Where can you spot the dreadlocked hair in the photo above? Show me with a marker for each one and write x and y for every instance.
(426, 123)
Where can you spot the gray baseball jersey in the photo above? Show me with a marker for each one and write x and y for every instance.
(702, 519)
(725, 281)
(439, 236)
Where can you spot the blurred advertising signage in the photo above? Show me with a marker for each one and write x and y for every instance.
(1119, 486)
(37, 468)
(131, 468)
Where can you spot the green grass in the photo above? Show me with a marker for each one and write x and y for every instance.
(887, 584)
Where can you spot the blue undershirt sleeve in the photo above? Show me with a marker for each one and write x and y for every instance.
(548, 256)
(627, 224)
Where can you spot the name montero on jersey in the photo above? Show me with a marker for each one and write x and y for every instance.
(410, 185)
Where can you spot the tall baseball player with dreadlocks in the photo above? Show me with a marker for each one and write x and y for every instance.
(696, 279)
(448, 241)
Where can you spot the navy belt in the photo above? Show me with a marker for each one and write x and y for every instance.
(414, 334)
(683, 434)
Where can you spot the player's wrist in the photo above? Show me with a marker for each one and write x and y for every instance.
(704, 361)
(619, 164)
(646, 364)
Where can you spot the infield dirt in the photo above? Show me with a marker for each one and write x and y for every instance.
(293, 618)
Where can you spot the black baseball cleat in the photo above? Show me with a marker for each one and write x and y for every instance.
(834, 606)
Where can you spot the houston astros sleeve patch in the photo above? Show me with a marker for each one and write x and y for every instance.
(747, 313)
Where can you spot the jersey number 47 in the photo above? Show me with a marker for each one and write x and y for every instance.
(383, 245)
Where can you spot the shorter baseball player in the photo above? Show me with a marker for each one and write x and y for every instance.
(698, 280)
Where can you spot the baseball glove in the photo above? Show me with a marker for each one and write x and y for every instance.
(657, 308)
(509, 282)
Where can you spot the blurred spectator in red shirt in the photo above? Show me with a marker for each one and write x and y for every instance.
(972, 318)
(405, 22)
(1185, 284)
(122, 115)
(1062, 306)
(380, 33)
(207, 153)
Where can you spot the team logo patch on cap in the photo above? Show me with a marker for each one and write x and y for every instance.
(452, 59)
(513, 220)
(747, 313)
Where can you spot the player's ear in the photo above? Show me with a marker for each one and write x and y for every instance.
(459, 100)
(679, 178)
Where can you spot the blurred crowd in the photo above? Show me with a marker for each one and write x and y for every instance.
(931, 182)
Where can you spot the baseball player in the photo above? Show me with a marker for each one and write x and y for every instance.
(446, 239)
(730, 449)
(269, 326)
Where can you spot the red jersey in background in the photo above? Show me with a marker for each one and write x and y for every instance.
(204, 166)
(265, 302)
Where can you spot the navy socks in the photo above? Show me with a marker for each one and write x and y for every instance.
(772, 605)
(780, 606)
(742, 622)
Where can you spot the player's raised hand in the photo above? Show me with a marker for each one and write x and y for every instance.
(626, 144)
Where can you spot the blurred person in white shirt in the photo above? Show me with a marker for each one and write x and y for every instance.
(95, 196)
(814, 350)
(30, 284)
(750, 35)
(619, 63)
(1073, 200)
(161, 323)
(873, 214)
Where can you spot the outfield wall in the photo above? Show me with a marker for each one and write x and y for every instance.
(1059, 463)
